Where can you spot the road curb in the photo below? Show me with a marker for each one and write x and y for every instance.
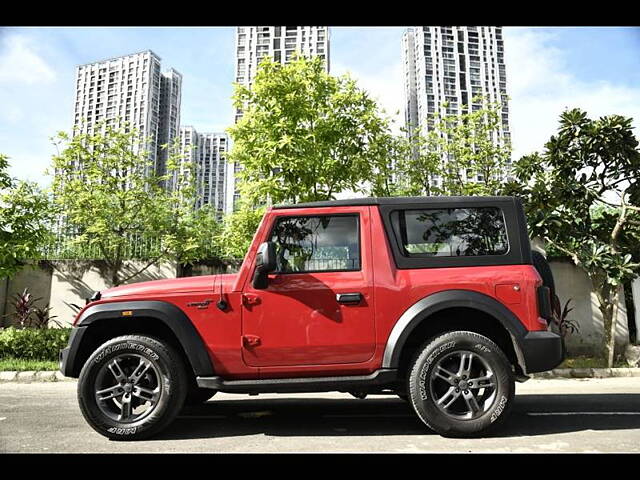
(33, 376)
(588, 373)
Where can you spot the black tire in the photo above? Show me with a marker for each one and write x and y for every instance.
(542, 266)
(197, 396)
(159, 370)
(485, 359)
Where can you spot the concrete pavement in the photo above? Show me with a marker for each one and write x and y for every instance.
(568, 415)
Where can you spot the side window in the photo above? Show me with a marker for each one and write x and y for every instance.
(451, 232)
(317, 243)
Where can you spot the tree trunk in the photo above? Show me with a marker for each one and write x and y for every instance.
(609, 309)
(115, 280)
(611, 337)
(183, 270)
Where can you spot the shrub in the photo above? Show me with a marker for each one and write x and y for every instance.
(33, 343)
(27, 314)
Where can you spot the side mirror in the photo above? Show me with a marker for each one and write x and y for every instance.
(265, 263)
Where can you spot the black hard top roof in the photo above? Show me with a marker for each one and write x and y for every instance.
(394, 201)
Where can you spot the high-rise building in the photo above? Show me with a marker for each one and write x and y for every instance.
(169, 121)
(279, 43)
(206, 151)
(452, 66)
(130, 89)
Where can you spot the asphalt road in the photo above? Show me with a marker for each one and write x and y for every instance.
(590, 415)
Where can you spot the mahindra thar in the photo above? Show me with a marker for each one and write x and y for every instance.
(438, 300)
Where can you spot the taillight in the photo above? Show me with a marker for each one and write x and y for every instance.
(544, 303)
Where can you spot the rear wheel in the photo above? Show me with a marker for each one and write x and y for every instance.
(132, 387)
(461, 384)
(542, 266)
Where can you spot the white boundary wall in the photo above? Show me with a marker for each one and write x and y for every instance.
(71, 282)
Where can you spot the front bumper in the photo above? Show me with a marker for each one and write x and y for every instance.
(542, 351)
(68, 355)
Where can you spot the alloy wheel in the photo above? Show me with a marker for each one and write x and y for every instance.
(463, 385)
(128, 388)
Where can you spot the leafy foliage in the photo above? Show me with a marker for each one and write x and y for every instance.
(459, 155)
(27, 315)
(191, 232)
(26, 215)
(582, 197)
(23, 305)
(106, 188)
(42, 317)
(111, 196)
(5, 179)
(304, 134)
(33, 343)
(563, 323)
(238, 230)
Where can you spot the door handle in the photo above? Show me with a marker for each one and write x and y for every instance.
(349, 298)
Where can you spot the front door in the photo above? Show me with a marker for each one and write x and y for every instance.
(318, 307)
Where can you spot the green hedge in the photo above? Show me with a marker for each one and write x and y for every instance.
(33, 343)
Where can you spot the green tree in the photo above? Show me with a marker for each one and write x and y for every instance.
(26, 215)
(238, 230)
(304, 134)
(582, 196)
(462, 150)
(191, 232)
(418, 161)
(109, 195)
(5, 178)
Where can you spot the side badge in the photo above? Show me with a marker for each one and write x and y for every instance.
(201, 305)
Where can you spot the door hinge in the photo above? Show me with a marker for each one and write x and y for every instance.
(250, 299)
(250, 340)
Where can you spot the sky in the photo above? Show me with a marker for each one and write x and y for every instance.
(548, 70)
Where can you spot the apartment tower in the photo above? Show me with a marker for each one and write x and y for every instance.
(206, 151)
(452, 66)
(130, 89)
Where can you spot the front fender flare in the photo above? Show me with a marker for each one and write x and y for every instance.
(436, 302)
(165, 312)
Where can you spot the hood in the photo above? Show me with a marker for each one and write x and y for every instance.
(205, 283)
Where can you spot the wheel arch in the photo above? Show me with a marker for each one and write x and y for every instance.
(454, 309)
(160, 319)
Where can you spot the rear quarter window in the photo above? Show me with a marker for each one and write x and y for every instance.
(451, 232)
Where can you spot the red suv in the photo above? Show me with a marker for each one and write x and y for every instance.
(438, 300)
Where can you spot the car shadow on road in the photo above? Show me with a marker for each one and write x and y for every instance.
(377, 415)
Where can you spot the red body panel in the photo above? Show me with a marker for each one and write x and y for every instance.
(295, 327)
(299, 320)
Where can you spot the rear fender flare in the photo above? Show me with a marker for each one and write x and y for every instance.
(427, 306)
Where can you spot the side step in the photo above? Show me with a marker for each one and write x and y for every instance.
(300, 385)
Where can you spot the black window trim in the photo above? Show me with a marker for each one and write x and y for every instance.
(515, 222)
(278, 218)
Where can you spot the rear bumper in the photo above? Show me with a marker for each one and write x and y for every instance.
(542, 351)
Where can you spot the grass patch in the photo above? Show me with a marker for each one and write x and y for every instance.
(22, 365)
(590, 362)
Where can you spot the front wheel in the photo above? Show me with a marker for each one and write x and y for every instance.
(132, 387)
(461, 384)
